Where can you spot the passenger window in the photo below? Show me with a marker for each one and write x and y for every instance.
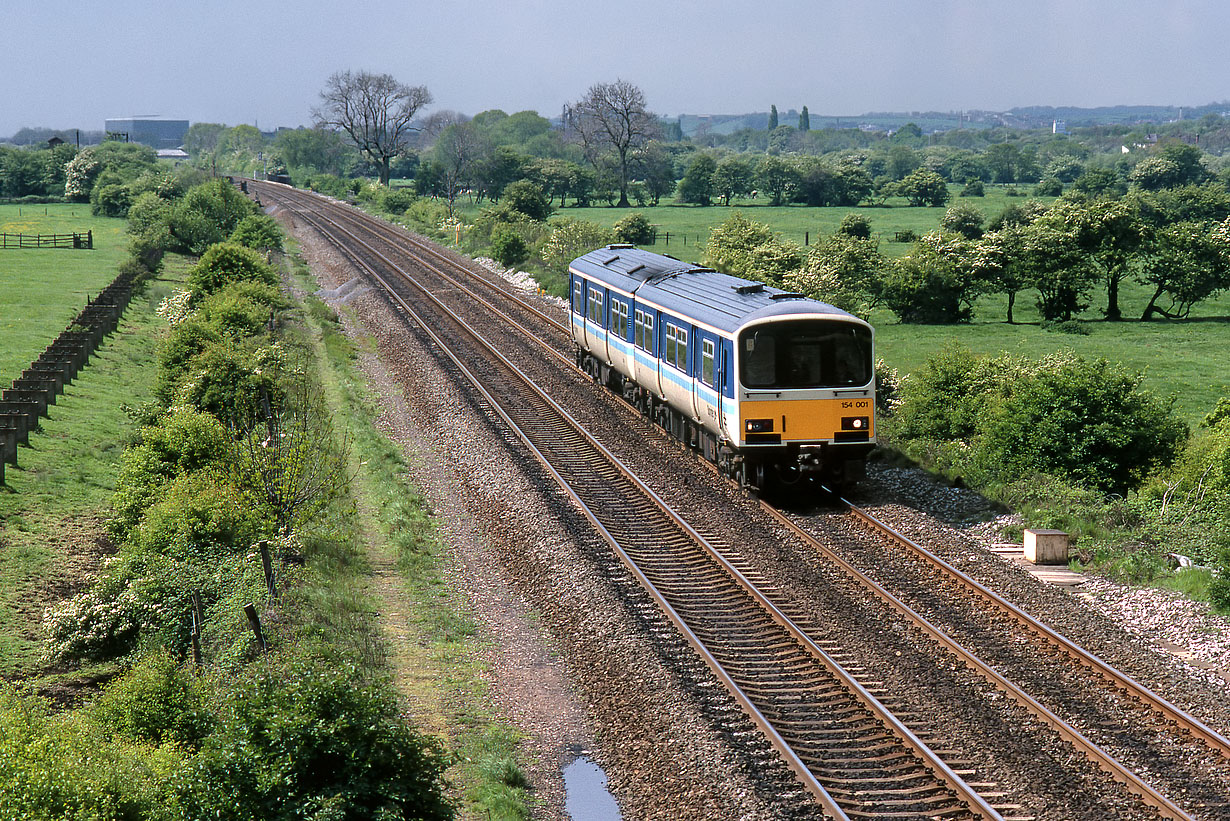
(578, 301)
(682, 362)
(706, 363)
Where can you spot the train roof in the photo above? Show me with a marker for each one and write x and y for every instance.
(724, 302)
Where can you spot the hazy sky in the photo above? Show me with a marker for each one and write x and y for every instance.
(75, 63)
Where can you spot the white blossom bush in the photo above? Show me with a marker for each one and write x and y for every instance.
(176, 308)
(103, 622)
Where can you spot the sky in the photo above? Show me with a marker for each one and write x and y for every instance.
(75, 63)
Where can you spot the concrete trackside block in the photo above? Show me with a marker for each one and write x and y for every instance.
(1046, 547)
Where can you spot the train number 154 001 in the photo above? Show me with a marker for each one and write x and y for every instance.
(865, 403)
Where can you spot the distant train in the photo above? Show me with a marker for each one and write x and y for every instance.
(770, 386)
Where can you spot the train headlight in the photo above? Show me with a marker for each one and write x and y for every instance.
(855, 423)
(759, 425)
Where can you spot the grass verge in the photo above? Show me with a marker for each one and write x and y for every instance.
(435, 650)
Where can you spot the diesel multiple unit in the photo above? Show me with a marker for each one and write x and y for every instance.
(769, 385)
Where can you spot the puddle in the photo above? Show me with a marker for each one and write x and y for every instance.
(585, 794)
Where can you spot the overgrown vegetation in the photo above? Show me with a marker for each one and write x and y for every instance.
(203, 720)
(1077, 445)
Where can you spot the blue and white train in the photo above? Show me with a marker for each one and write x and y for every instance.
(770, 386)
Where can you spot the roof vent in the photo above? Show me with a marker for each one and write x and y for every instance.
(609, 260)
(787, 295)
(750, 288)
(636, 268)
(619, 246)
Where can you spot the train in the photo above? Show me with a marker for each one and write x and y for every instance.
(772, 387)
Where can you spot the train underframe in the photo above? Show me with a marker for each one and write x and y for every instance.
(764, 469)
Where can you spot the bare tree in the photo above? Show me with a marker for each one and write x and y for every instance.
(374, 110)
(457, 149)
(612, 115)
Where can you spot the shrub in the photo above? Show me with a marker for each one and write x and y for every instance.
(51, 767)
(635, 229)
(855, 225)
(750, 249)
(507, 246)
(570, 238)
(527, 198)
(232, 381)
(184, 441)
(208, 214)
(973, 188)
(241, 309)
(186, 340)
(155, 702)
(1049, 187)
(305, 740)
(963, 219)
(225, 263)
(258, 232)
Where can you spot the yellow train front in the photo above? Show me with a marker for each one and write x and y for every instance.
(769, 385)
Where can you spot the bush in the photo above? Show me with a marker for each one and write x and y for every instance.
(184, 441)
(973, 188)
(855, 225)
(1049, 187)
(56, 768)
(186, 340)
(634, 229)
(241, 309)
(157, 701)
(527, 198)
(225, 263)
(258, 232)
(507, 246)
(232, 381)
(208, 214)
(305, 740)
(1088, 422)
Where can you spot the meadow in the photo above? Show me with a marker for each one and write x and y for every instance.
(42, 289)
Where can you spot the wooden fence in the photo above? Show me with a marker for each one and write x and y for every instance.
(79, 241)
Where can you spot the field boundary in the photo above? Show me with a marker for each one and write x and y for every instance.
(74, 240)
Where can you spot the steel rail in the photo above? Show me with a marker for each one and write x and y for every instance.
(1120, 680)
(962, 791)
(1091, 750)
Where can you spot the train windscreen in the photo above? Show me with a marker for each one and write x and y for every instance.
(805, 354)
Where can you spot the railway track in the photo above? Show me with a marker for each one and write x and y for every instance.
(761, 649)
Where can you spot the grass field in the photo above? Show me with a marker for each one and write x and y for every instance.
(689, 225)
(42, 289)
(53, 504)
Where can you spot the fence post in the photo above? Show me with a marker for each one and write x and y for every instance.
(267, 564)
(249, 610)
(806, 238)
(196, 627)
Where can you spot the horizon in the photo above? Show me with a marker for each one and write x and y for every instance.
(265, 61)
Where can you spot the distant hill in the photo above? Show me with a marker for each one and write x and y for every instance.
(1027, 117)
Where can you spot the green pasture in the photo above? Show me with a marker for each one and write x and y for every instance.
(42, 289)
(689, 225)
(1189, 359)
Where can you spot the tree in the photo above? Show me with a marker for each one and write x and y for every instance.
(374, 110)
(804, 121)
(456, 151)
(1058, 267)
(937, 282)
(924, 187)
(777, 176)
(843, 270)
(1109, 232)
(1189, 263)
(697, 183)
(655, 165)
(313, 151)
(963, 219)
(527, 198)
(613, 116)
(750, 249)
(772, 118)
(733, 177)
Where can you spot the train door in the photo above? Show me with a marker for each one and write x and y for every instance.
(723, 381)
